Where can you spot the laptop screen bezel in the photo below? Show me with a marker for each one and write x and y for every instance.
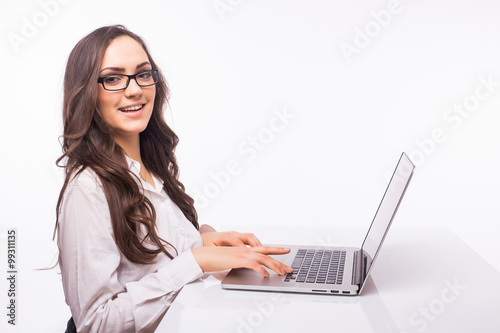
(404, 161)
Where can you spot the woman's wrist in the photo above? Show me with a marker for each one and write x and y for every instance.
(206, 228)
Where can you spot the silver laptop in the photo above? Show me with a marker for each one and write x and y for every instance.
(332, 270)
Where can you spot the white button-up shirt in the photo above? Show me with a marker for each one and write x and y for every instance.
(105, 291)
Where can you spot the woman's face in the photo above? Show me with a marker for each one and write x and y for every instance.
(127, 111)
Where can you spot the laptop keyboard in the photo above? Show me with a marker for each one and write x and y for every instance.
(317, 266)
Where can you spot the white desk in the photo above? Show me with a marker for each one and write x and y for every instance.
(424, 280)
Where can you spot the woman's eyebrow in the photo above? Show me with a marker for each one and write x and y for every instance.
(143, 64)
(121, 69)
(116, 69)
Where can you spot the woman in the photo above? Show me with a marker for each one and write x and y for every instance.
(127, 231)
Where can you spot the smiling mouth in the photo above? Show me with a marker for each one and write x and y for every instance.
(132, 108)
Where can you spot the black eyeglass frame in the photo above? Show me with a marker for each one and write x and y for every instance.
(154, 73)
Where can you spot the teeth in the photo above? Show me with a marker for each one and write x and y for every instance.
(132, 108)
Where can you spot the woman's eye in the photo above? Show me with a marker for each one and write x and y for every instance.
(144, 75)
(112, 79)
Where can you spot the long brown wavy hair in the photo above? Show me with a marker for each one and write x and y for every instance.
(88, 143)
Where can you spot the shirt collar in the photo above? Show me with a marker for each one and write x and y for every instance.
(135, 167)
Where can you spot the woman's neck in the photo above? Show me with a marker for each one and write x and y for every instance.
(132, 147)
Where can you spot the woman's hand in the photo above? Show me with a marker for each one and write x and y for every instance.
(219, 258)
(230, 238)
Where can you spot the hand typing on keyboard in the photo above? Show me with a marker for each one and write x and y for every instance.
(219, 258)
(317, 266)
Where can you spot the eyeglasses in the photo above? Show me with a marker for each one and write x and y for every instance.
(115, 82)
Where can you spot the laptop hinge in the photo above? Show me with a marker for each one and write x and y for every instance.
(357, 269)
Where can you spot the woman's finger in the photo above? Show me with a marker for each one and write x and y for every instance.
(221, 258)
(256, 266)
(271, 250)
(273, 264)
(252, 240)
(233, 239)
(240, 239)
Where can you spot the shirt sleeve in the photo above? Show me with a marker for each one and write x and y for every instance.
(90, 260)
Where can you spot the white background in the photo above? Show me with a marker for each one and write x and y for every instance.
(232, 66)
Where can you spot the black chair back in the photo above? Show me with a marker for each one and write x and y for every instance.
(70, 328)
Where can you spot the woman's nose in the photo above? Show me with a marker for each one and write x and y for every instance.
(133, 89)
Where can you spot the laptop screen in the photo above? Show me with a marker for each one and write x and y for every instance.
(386, 212)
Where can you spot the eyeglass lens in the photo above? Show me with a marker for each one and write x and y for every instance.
(120, 81)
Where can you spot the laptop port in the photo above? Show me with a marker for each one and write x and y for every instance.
(346, 292)
(334, 291)
(317, 290)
